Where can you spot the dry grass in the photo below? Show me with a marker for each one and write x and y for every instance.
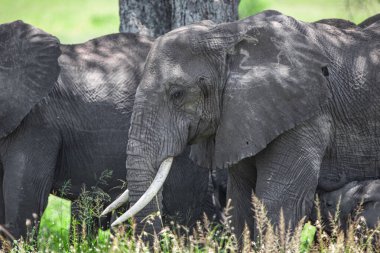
(206, 237)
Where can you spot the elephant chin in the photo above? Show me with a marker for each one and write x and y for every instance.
(144, 200)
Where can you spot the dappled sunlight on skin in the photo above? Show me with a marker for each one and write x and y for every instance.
(40, 71)
(96, 90)
(294, 96)
(96, 55)
(77, 131)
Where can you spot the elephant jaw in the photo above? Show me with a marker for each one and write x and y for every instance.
(147, 197)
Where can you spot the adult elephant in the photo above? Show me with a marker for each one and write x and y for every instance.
(278, 102)
(337, 22)
(73, 124)
(346, 24)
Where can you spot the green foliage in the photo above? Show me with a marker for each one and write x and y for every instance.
(75, 21)
(313, 10)
(307, 237)
(250, 7)
(72, 21)
(54, 234)
(55, 224)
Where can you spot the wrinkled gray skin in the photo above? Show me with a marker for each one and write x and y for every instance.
(339, 23)
(75, 126)
(351, 196)
(281, 104)
(346, 24)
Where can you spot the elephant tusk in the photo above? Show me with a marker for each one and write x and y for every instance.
(7, 233)
(117, 203)
(152, 191)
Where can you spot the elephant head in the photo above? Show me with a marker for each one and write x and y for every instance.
(228, 89)
(355, 198)
(345, 199)
(28, 70)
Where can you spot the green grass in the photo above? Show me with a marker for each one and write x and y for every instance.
(55, 227)
(56, 221)
(208, 238)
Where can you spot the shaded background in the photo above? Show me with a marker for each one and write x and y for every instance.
(74, 21)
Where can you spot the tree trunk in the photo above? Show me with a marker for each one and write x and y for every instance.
(157, 17)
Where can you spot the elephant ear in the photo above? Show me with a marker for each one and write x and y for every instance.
(28, 71)
(276, 78)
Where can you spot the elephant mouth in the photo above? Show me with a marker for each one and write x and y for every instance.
(144, 200)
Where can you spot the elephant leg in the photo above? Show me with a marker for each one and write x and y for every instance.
(219, 179)
(2, 205)
(240, 186)
(29, 165)
(26, 197)
(3, 233)
(288, 171)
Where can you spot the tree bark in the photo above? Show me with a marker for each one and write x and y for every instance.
(157, 17)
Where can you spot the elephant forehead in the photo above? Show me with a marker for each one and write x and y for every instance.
(171, 61)
(166, 70)
(174, 48)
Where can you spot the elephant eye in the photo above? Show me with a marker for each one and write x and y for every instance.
(177, 95)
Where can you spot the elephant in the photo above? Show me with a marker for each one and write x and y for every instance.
(339, 23)
(348, 198)
(279, 103)
(369, 21)
(346, 24)
(64, 115)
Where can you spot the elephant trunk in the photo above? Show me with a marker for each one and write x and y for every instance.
(154, 139)
(154, 189)
(144, 155)
(140, 176)
(141, 165)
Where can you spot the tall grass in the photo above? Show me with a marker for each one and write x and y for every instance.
(208, 237)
